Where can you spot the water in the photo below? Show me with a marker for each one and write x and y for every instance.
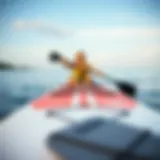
(20, 87)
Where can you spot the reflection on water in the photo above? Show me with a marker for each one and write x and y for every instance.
(19, 87)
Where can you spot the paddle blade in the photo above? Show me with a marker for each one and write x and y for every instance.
(127, 88)
(55, 56)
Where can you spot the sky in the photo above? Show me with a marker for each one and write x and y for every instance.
(114, 33)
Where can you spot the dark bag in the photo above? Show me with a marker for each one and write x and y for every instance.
(102, 139)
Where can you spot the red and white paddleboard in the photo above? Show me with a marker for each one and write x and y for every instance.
(23, 133)
(96, 95)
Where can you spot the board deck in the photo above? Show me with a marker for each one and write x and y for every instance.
(66, 96)
(23, 133)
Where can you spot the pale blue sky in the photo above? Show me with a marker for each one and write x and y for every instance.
(111, 31)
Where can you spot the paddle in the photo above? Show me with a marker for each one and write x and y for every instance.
(55, 56)
(125, 87)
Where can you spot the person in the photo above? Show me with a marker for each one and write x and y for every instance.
(81, 69)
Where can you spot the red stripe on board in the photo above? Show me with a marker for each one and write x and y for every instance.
(83, 97)
(106, 98)
(62, 98)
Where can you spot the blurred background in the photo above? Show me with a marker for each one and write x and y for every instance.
(119, 36)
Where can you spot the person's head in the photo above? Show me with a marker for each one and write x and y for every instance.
(80, 57)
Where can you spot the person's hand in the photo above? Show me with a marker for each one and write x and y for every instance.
(54, 56)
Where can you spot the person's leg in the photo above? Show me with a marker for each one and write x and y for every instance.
(88, 81)
(72, 82)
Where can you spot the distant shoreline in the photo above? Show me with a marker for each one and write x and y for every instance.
(14, 69)
(9, 66)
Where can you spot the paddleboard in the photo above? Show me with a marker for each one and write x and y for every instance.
(23, 134)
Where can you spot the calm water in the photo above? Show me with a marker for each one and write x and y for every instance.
(19, 87)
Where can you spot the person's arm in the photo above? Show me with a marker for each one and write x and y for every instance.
(67, 63)
(96, 71)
